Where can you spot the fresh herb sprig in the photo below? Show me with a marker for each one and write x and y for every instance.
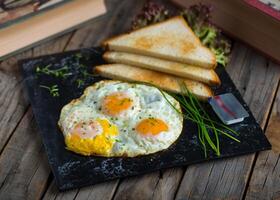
(198, 17)
(58, 73)
(53, 90)
(151, 13)
(73, 69)
(80, 82)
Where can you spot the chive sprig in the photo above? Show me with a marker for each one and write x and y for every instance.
(209, 131)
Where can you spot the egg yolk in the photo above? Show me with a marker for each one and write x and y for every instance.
(116, 103)
(96, 140)
(151, 126)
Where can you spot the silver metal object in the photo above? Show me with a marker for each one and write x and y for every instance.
(228, 108)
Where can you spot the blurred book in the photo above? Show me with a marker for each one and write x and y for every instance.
(24, 23)
(12, 11)
(270, 7)
(255, 22)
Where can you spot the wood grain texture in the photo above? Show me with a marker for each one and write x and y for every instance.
(273, 129)
(120, 18)
(226, 179)
(157, 185)
(168, 184)
(12, 105)
(13, 101)
(102, 191)
(55, 46)
(266, 174)
(53, 194)
(139, 187)
(23, 166)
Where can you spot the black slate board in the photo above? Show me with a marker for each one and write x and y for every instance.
(73, 171)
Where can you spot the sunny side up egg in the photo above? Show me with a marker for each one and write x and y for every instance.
(114, 118)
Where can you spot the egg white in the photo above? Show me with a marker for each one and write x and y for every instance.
(147, 102)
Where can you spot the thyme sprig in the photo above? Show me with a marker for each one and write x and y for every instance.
(80, 82)
(53, 90)
(58, 73)
(75, 71)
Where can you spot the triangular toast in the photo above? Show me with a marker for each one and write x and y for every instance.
(170, 40)
(191, 72)
(162, 80)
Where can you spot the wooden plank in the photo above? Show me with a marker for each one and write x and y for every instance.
(139, 187)
(264, 183)
(21, 162)
(273, 129)
(102, 191)
(9, 66)
(53, 194)
(226, 179)
(12, 105)
(115, 22)
(24, 169)
(168, 184)
(13, 102)
(54, 46)
(157, 185)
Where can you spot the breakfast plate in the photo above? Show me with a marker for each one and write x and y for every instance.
(48, 95)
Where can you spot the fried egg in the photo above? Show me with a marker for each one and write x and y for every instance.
(114, 118)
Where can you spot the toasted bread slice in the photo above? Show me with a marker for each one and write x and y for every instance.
(172, 39)
(162, 80)
(191, 72)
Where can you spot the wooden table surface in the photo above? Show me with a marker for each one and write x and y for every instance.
(24, 169)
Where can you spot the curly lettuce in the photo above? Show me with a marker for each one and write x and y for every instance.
(198, 17)
(151, 13)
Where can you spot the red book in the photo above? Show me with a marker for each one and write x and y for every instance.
(270, 7)
(14, 11)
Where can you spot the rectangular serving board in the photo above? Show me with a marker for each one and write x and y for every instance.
(74, 171)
